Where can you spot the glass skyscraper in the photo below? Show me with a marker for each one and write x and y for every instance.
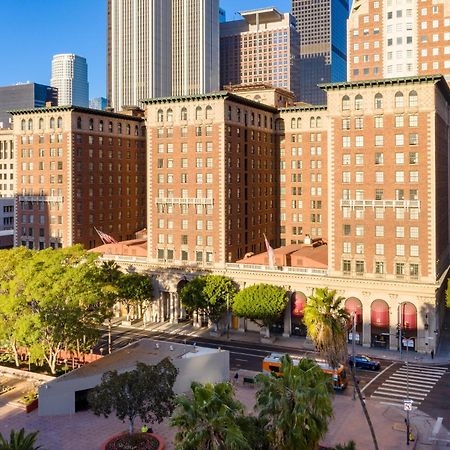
(323, 48)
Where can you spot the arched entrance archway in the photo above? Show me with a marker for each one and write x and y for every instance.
(298, 303)
(379, 324)
(408, 323)
(353, 305)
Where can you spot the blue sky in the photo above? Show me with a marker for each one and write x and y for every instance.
(34, 30)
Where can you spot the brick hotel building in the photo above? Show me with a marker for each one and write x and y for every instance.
(76, 169)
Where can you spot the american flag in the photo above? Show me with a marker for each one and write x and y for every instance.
(106, 238)
(270, 252)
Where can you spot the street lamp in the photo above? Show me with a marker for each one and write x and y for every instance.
(353, 353)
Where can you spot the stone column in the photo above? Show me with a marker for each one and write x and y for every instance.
(287, 328)
(176, 307)
(366, 328)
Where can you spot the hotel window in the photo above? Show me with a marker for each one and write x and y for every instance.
(379, 267)
(400, 232)
(359, 230)
(399, 269)
(414, 232)
(399, 176)
(414, 250)
(379, 249)
(413, 194)
(359, 266)
(359, 141)
(379, 158)
(359, 123)
(358, 102)
(414, 213)
(379, 213)
(379, 193)
(414, 176)
(413, 120)
(413, 139)
(378, 122)
(399, 139)
(414, 270)
(183, 115)
(379, 231)
(346, 124)
(379, 140)
(184, 224)
(346, 177)
(346, 266)
(359, 159)
(346, 159)
(345, 103)
(400, 250)
(378, 101)
(359, 249)
(346, 141)
(399, 158)
(399, 100)
(399, 213)
(359, 177)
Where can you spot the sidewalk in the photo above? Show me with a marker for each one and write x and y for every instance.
(299, 343)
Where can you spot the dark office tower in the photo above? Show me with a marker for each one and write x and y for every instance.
(323, 48)
(25, 95)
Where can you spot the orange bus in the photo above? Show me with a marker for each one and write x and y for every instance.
(272, 364)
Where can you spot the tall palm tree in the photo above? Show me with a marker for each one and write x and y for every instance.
(18, 440)
(296, 406)
(209, 420)
(327, 321)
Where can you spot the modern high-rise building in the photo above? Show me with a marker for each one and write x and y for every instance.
(264, 47)
(24, 95)
(78, 168)
(98, 103)
(70, 77)
(139, 51)
(398, 39)
(323, 46)
(158, 48)
(195, 47)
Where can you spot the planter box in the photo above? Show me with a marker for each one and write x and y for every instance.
(32, 406)
(162, 444)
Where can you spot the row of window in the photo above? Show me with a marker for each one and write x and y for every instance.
(400, 268)
(199, 239)
(413, 139)
(168, 115)
(399, 121)
(359, 160)
(200, 256)
(314, 122)
(379, 177)
(400, 249)
(399, 101)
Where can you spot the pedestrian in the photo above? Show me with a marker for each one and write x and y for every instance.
(236, 377)
(432, 353)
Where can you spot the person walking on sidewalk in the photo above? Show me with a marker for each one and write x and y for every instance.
(432, 354)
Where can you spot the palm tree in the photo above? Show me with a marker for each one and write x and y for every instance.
(327, 322)
(209, 420)
(18, 440)
(296, 406)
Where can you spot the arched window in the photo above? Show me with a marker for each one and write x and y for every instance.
(100, 125)
(312, 122)
(345, 103)
(318, 122)
(30, 124)
(160, 115)
(91, 124)
(119, 127)
(128, 128)
(136, 130)
(399, 101)
(183, 113)
(52, 123)
(299, 122)
(378, 101)
(279, 124)
(208, 112)
(293, 123)
(412, 99)
(41, 123)
(60, 122)
(110, 127)
(198, 113)
(169, 115)
(23, 125)
(79, 124)
(359, 102)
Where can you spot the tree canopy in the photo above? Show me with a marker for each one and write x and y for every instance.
(51, 299)
(261, 303)
(145, 392)
(208, 294)
(134, 289)
(297, 406)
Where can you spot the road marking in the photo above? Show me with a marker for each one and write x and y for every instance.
(396, 393)
(429, 367)
(424, 375)
(403, 377)
(426, 370)
(373, 379)
(401, 386)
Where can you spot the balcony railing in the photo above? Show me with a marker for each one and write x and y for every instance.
(262, 267)
(41, 198)
(380, 204)
(184, 201)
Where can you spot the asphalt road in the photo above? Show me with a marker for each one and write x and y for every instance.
(429, 385)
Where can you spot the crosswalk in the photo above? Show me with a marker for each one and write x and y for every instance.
(416, 379)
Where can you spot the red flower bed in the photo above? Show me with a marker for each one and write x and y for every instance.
(136, 441)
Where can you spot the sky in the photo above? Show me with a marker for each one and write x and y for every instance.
(35, 30)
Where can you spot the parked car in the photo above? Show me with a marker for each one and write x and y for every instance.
(364, 362)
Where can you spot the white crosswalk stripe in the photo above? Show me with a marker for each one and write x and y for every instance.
(422, 380)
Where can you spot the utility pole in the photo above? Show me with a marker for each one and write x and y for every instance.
(407, 391)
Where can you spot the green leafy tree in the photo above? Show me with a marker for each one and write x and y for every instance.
(211, 295)
(13, 306)
(209, 420)
(297, 405)
(327, 321)
(146, 392)
(136, 290)
(19, 440)
(261, 303)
